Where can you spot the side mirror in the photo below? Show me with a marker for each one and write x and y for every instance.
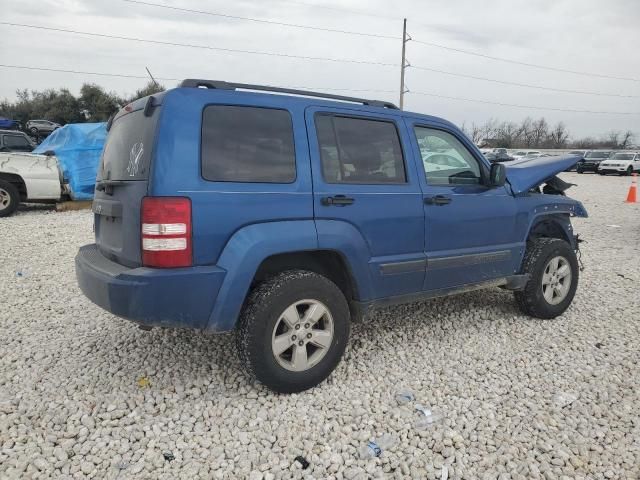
(497, 175)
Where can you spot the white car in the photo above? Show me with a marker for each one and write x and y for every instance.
(25, 177)
(622, 163)
(524, 153)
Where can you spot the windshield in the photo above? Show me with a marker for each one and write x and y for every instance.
(623, 156)
(520, 153)
(576, 152)
(598, 155)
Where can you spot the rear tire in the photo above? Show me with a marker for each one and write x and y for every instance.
(279, 316)
(549, 291)
(9, 198)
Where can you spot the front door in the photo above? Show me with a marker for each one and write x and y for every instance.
(470, 228)
(367, 197)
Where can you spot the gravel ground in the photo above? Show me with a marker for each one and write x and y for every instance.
(84, 394)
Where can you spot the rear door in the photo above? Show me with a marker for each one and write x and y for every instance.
(470, 228)
(122, 183)
(365, 184)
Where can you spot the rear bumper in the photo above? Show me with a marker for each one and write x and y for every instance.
(177, 297)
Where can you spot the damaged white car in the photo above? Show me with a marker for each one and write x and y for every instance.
(26, 177)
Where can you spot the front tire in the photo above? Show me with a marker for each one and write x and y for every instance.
(629, 171)
(553, 268)
(293, 330)
(9, 198)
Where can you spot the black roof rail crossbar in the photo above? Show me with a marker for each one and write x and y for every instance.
(221, 85)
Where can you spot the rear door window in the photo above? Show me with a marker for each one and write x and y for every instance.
(127, 151)
(359, 150)
(247, 144)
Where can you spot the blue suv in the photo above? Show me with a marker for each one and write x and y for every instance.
(285, 214)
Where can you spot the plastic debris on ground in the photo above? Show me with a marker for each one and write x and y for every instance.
(375, 447)
(405, 396)
(444, 475)
(168, 456)
(78, 148)
(563, 399)
(427, 418)
(302, 461)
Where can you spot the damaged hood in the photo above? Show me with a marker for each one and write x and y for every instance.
(527, 173)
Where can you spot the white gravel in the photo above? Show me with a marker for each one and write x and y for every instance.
(84, 394)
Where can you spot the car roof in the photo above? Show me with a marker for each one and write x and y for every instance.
(209, 94)
(13, 131)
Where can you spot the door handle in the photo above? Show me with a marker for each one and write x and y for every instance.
(437, 200)
(337, 200)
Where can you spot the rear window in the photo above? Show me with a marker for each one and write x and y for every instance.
(359, 150)
(128, 148)
(247, 144)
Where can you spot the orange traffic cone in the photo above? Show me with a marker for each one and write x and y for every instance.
(631, 196)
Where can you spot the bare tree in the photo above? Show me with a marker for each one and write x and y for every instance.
(558, 136)
(626, 140)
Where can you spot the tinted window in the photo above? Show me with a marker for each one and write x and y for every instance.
(247, 144)
(357, 150)
(445, 159)
(17, 142)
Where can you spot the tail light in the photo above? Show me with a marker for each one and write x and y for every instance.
(166, 232)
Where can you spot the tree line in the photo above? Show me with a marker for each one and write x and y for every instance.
(93, 104)
(537, 133)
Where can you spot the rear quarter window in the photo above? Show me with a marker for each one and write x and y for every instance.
(247, 144)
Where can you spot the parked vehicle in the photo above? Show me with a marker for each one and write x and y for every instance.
(222, 209)
(498, 157)
(25, 177)
(41, 127)
(524, 153)
(579, 153)
(622, 163)
(591, 160)
(13, 141)
(8, 124)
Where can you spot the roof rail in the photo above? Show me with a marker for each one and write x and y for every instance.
(222, 85)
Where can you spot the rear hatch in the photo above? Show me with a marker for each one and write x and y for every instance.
(122, 181)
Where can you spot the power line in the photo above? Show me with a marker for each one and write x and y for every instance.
(81, 72)
(260, 20)
(525, 85)
(533, 65)
(532, 107)
(143, 77)
(205, 47)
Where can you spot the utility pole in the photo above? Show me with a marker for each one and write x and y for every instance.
(153, 79)
(403, 63)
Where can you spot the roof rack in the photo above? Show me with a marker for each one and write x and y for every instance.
(221, 85)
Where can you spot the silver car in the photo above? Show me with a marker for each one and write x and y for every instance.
(41, 127)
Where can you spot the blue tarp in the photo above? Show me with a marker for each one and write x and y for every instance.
(78, 147)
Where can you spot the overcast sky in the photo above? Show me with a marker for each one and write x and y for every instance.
(580, 35)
